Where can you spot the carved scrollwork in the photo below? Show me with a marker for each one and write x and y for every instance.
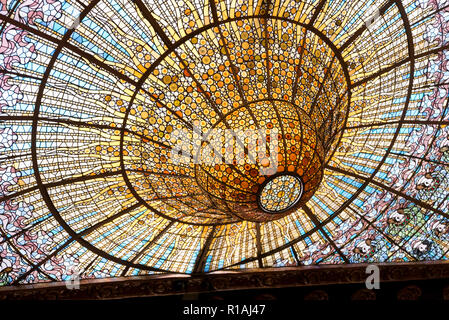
(364, 295)
(281, 277)
(411, 292)
(317, 295)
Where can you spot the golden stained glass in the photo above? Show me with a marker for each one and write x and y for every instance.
(280, 193)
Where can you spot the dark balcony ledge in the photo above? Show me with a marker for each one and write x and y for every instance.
(266, 278)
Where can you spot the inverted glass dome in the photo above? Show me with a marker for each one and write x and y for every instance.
(145, 137)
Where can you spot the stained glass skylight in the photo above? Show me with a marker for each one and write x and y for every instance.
(117, 116)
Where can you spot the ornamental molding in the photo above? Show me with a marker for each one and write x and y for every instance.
(177, 284)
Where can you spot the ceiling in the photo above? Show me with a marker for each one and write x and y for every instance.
(110, 112)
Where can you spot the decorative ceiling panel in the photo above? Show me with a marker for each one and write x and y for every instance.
(98, 99)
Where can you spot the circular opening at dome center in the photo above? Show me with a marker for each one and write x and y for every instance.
(280, 193)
